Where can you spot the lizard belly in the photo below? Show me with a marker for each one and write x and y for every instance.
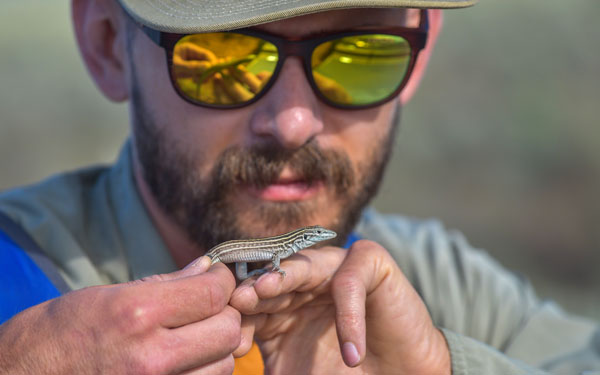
(246, 256)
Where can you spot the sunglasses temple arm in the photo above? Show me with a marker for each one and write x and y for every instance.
(154, 35)
(424, 21)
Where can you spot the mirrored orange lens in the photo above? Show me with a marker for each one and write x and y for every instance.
(362, 69)
(222, 68)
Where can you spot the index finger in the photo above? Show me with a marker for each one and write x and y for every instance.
(184, 300)
(305, 271)
(309, 271)
(364, 269)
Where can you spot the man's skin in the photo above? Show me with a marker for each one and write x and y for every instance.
(355, 302)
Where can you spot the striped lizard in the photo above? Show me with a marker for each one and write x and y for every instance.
(273, 248)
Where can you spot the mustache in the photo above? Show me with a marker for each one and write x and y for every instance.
(261, 166)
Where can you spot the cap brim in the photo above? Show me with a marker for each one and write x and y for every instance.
(211, 15)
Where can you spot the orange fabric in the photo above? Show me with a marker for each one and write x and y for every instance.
(250, 364)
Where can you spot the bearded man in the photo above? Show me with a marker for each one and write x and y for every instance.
(250, 119)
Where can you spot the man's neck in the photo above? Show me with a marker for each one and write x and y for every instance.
(181, 248)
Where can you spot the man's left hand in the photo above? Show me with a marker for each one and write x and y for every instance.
(341, 311)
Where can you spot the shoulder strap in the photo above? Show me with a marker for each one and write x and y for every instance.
(25, 242)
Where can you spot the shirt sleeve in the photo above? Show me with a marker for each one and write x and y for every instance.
(22, 282)
(491, 318)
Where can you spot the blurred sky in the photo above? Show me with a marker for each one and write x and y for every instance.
(502, 142)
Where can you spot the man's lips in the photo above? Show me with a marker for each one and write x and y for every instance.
(286, 190)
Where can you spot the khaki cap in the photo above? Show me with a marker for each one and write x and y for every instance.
(188, 16)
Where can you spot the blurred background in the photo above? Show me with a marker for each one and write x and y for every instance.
(502, 142)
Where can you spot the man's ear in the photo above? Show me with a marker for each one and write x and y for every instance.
(435, 25)
(100, 31)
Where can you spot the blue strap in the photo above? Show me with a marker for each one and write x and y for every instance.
(352, 238)
(22, 282)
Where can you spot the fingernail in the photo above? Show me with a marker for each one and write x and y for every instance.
(199, 265)
(350, 354)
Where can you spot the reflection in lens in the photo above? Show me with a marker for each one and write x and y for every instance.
(222, 68)
(362, 69)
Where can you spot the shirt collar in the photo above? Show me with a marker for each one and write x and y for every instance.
(145, 250)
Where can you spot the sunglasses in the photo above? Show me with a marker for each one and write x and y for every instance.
(351, 69)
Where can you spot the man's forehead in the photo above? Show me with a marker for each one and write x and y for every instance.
(343, 19)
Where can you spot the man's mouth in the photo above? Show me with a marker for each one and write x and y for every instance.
(287, 188)
(286, 191)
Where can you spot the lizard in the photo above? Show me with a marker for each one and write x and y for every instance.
(272, 249)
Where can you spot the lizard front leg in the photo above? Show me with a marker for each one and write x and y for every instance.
(275, 261)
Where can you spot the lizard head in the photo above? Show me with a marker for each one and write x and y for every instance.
(314, 234)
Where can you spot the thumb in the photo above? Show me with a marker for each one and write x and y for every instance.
(196, 267)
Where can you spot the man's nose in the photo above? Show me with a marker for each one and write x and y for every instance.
(290, 112)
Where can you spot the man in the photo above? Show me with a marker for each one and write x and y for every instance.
(284, 122)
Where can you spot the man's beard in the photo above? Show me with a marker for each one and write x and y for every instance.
(205, 206)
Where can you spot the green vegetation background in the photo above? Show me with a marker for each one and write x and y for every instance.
(502, 142)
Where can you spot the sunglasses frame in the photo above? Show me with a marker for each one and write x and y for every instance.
(303, 48)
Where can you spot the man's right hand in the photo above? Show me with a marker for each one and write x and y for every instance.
(165, 324)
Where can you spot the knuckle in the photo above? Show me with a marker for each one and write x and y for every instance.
(347, 283)
(132, 314)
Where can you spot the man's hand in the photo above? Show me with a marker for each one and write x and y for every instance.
(165, 324)
(339, 308)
